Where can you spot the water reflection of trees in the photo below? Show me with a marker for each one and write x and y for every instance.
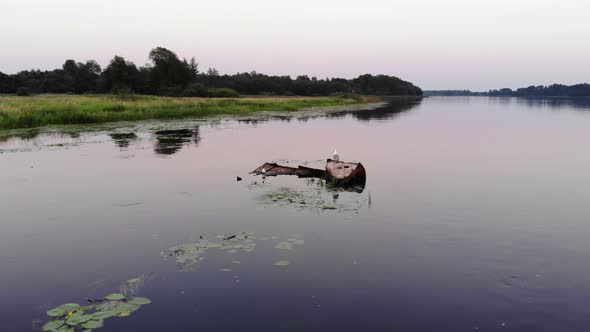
(254, 122)
(123, 140)
(555, 103)
(169, 142)
(24, 135)
(392, 108)
(541, 103)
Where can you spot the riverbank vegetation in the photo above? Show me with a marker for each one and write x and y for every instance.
(169, 75)
(47, 109)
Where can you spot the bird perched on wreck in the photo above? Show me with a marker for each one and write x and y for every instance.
(263, 171)
(335, 157)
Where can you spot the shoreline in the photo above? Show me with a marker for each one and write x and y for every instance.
(18, 112)
(347, 105)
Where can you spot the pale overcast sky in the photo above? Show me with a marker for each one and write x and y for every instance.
(454, 44)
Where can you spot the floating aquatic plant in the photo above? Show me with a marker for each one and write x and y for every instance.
(282, 263)
(115, 296)
(71, 317)
(284, 245)
(93, 324)
(313, 198)
(53, 325)
(189, 254)
(140, 301)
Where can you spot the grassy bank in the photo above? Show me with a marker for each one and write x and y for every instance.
(43, 110)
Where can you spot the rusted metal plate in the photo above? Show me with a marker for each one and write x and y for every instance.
(273, 169)
(345, 173)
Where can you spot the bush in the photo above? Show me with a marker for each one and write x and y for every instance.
(22, 92)
(171, 91)
(195, 90)
(122, 90)
(347, 95)
(223, 93)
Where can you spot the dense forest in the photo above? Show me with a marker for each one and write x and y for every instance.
(168, 75)
(555, 90)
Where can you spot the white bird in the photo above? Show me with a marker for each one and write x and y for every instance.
(336, 156)
(263, 171)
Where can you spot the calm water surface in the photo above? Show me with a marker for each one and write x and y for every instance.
(475, 217)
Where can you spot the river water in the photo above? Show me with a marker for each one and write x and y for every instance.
(474, 217)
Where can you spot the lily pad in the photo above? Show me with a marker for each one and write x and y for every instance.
(104, 314)
(78, 319)
(281, 263)
(69, 306)
(284, 245)
(65, 329)
(133, 281)
(140, 300)
(93, 324)
(126, 307)
(57, 312)
(115, 296)
(107, 305)
(53, 325)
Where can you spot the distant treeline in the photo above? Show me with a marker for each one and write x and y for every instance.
(555, 90)
(168, 75)
(453, 93)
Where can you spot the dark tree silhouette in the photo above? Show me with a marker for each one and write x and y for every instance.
(169, 72)
(120, 75)
(168, 75)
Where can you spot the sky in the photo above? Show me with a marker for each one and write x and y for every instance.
(436, 44)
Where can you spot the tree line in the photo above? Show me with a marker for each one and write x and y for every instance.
(168, 75)
(555, 90)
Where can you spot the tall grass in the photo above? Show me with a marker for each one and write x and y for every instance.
(42, 110)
